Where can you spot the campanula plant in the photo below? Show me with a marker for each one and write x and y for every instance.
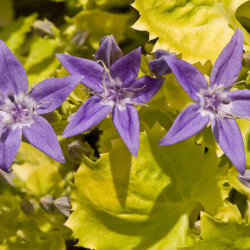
(112, 79)
(20, 110)
(214, 102)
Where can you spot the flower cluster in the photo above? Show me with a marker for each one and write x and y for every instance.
(112, 78)
(114, 86)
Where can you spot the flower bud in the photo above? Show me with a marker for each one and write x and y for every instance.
(76, 149)
(246, 60)
(47, 203)
(158, 66)
(28, 207)
(80, 37)
(108, 51)
(63, 205)
(43, 28)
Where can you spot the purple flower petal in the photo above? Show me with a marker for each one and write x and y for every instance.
(146, 87)
(188, 76)
(240, 102)
(41, 135)
(159, 66)
(92, 71)
(188, 123)
(127, 68)
(245, 179)
(51, 93)
(108, 51)
(13, 77)
(228, 136)
(88, 115)
(9, 144)
(228, 65)
(127, 124)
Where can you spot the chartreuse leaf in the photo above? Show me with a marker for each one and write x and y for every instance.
(14, 33)
(6, 12)
(100, 23)
(55, 242)
(216, 234)
(34, 230)
(199, 29)
(243, 15)
(24, 225)
(176, 96)
(247, 146)
(38, 174)
(45, 180)
(103, 3)
(9, 208)
(42, 62)
(142, 203)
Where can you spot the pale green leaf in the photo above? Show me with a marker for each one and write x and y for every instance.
(6, 12)
(14, 33)
(219, 235)
(37, 173)
(243, 15)
(103, 3)
(45, 180)
(199, 29)
(42, 62)
(101, 23)
(141, 203)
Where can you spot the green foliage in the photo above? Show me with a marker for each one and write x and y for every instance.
(100, 23)
(6, 12)
(86, 4)
(42, 62)
(14, 33)
(24, 224)
(120, 202)
(143, 202)
(187, 26)
(233, 234)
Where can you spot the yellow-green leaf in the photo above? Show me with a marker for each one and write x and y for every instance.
(199, 29)
(142, 203)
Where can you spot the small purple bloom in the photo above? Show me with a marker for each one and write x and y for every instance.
(214, 102)
(159, 65)
(108, 51)
(20, 110)
(245, 179)
(115, 87)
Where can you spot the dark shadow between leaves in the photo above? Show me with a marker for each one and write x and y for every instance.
(168, 207)
(120, 165)
(165, 205)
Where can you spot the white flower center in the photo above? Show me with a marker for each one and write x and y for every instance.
(17, 111)
(215, 103)
(114, 94)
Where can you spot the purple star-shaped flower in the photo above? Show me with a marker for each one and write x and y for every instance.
(20, 110)
(214, 102)
(115, 87)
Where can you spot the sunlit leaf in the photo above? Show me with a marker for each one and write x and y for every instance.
(218, 234)
(14, 33)
(100, 23)
(141, 203)
(197, 29)
(42, 62)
